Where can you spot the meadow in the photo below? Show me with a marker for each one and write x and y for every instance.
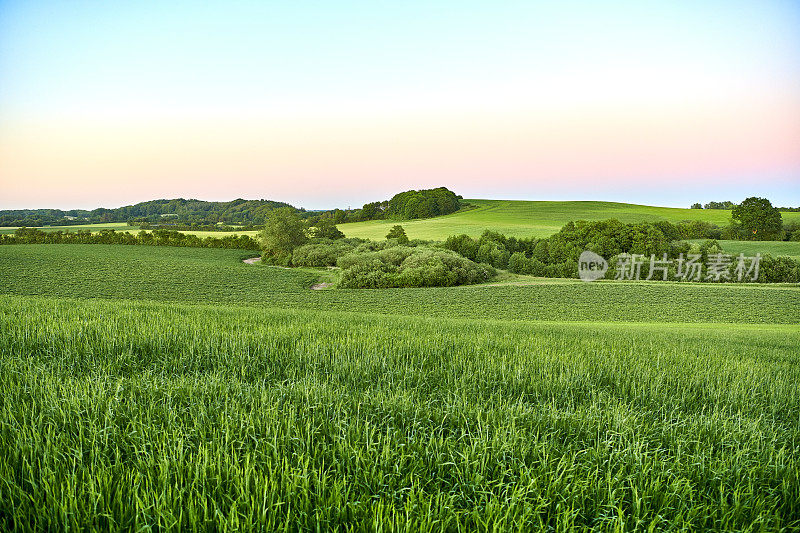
(518, 218)
(203, 275)
(514, 218)
(132, 415)
(751, 248)
(148, 387)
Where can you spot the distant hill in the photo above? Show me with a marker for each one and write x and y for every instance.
(180, 210)
(521, 218)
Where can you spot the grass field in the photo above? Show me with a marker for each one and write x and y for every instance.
(238, 398)
(516, 218)
(751, 248)
(132, 415)
(533, 219)
(200, 275)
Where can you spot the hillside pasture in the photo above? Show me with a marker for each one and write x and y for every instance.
(520, 218)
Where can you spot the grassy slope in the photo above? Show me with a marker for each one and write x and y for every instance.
(335, 409)
(131, 415)
(517, 218)
(750, 248)
(532, 219)
(201, 275)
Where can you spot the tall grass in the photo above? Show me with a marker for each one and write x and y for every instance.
(123, 415)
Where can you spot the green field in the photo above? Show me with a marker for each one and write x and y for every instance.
(151, 387)
(533, 219)
(751, 248)
(518, 218)
(170, 416)
(216, 276)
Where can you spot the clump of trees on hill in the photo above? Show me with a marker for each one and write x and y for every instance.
(755, 219)
(408, 205)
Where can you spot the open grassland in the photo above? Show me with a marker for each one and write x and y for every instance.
(525, 405)
(201, 275)
(533, 218)
(751, 248)
(131, 415)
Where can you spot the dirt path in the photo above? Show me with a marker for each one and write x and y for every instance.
(252, 260)
(318, 286)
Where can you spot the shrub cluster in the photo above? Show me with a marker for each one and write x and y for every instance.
(557, 255)
(404, 266)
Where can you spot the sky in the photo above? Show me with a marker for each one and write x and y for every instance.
(336, 103)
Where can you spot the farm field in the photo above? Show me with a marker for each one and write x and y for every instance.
(520, 218)
(304, 419)
(201, 390)
(202, 275)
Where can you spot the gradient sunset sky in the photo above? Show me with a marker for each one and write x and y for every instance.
(333, 104)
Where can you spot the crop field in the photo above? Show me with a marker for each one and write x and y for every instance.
(751, 248)
(533, 219)
(202, 275)
(175, 388)
(135, 415)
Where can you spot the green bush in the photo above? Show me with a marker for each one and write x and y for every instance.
(320, 254)
(402, 266)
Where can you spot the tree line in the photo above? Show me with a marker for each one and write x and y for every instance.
(236, 212)
(153, 238)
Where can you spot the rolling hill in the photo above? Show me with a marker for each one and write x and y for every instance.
(522, 218)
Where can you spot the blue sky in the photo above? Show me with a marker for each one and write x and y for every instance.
(332, 103)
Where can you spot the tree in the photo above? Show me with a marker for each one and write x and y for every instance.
(758, 220)
(697, 205)
(397, 232)
(325, 228)
(283, 232)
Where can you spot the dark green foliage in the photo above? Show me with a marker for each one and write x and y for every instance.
(791, 231)
(320, 253)
(397, 232)
(757, 219)
(557, 255)
(424, 203)
(159, 237)
(283, 232)
(719, 205)
(778, 270)
(325, 228)
(401, 266)
(697, 229)
(155, 212)
(697, 205)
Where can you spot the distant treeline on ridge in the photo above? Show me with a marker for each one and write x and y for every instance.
(179, 213)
